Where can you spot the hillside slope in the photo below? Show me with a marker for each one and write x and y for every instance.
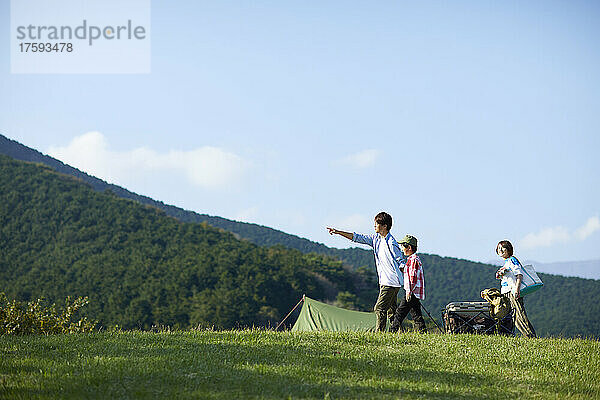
(558, 309)
(140, 267)
(258, 234)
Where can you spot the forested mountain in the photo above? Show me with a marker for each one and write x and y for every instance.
(258, 234)
(141, 267)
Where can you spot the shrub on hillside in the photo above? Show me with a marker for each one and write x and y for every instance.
(18, 318)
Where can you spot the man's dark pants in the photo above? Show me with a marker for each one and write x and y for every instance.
(414, 306)
(386, 305)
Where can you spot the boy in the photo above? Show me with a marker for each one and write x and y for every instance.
(414, 286)
(388, 259)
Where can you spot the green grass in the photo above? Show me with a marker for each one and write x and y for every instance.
(259, 364)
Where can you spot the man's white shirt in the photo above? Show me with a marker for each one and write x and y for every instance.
(388, 257)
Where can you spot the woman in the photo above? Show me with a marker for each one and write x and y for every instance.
(511, 275)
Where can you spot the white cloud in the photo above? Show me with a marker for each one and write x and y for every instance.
(207, 167)
(355, 222)
(591, 226)
(362, 159)
(559, 234)
(247, 215)
(546, 237)
(88, 153)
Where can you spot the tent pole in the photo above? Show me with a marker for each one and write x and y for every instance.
(430, 317)
(286, 317)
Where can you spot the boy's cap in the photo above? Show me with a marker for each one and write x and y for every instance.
(408, 239)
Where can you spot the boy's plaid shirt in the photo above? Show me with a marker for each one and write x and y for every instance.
(414, 280)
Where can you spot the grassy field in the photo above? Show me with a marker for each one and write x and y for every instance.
(259, 364)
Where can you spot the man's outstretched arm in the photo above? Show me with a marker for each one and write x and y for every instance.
(347, 235)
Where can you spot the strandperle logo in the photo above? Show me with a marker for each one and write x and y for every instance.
(80, 37)
(85, 31)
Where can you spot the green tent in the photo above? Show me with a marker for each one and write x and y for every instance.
(317, 316)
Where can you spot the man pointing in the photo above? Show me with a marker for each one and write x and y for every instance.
(389, 261)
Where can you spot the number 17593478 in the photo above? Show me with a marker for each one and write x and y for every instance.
(46, 47)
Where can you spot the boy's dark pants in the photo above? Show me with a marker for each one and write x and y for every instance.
(386, 305)
(414, 306)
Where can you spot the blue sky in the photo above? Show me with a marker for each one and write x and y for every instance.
(470, 122)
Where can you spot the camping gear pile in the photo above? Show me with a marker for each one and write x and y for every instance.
(477, 317)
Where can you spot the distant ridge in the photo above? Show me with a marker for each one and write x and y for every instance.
(589, 269)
